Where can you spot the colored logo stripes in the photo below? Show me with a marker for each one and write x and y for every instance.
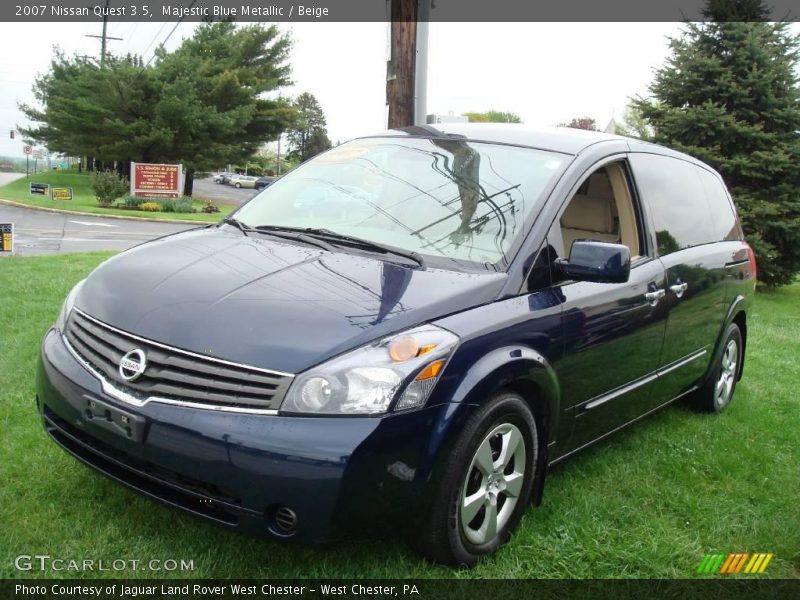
(735, 562)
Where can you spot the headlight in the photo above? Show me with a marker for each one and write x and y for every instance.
(367, 380)
(66, 308)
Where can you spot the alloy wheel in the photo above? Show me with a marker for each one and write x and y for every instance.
(493, 484)
(727, 374)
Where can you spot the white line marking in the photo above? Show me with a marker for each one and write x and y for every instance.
(90, 223)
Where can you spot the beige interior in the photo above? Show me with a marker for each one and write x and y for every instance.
(602, 210)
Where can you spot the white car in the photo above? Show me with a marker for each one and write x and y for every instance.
(243, 181)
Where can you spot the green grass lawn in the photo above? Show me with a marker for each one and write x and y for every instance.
(85, 201)
(648, 503)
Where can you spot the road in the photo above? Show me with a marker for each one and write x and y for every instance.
(37, 232)
(208, 190)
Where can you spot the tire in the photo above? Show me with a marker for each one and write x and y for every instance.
(237, 185)
(448, 534)
(717, 391)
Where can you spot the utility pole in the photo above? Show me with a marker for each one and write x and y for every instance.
(406, 69)
(279, 154)
(103, 38)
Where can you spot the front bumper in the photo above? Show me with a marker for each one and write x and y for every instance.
(338, 474)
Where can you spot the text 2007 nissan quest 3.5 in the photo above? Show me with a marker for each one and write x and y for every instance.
(404, 333)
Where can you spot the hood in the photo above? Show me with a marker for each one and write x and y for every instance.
(269, 303)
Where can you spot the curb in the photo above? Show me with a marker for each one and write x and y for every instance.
(101, 216)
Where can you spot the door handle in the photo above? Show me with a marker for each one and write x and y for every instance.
(654, 297)
(679, 288)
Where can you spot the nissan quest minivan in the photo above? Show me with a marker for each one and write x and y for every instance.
(404, 333)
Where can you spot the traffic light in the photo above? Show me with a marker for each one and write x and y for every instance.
(13, 133)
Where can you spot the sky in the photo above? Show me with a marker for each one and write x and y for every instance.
(547, 73)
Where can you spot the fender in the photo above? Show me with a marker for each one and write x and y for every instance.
(503, 365)
(738, 304)
(494, 371)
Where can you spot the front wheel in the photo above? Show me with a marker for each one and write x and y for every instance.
(717, 391)
(487, 487)
(237, 185)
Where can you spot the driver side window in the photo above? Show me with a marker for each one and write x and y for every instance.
(602, 209)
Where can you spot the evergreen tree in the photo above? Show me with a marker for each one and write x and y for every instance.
(202, 105)
(212, 109)
(729, 95)
(633, 124)
(309, 135)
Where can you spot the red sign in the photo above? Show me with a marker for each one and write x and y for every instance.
(155, 181)
(27, 149)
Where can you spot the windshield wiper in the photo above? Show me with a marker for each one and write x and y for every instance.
(332, 236)
(237, 223)
(287, 234)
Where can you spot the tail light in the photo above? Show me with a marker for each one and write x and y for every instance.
(752, 258)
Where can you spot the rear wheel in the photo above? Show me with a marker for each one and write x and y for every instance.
(717, 392)
(487, 488)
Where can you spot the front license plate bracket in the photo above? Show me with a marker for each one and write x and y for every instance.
(109, 417)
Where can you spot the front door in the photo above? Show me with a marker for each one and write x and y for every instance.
(613, 333)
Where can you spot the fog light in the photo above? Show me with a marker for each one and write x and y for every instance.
(282, 520)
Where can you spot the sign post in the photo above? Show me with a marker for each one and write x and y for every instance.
(27, 150)
(156, 180)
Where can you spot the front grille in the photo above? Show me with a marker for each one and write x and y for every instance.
(171, 373)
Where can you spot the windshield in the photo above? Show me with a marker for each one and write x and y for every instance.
(448, 198)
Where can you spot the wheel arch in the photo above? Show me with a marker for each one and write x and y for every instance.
(737, 313)
(528, 373)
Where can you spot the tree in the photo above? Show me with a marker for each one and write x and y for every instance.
(268, 159)
(634, 124)
(729, 95)
(213, 110)
(308, 136)
(493, 116)
(87, 110)
(202, 105)
(581, 123)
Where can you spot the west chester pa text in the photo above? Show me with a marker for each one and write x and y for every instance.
(168, 590)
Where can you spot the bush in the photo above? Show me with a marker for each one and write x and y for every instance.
(133, 201)
(150, 207)
(179, 205)
(108, 186)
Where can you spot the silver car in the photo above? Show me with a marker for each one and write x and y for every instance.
(243, 181)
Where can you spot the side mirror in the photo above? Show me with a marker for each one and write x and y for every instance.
(601, 262)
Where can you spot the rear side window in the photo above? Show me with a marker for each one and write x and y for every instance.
(726, 227)
(675, 196)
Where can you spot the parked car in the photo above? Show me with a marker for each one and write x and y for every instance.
(404, 333)
(243, 181)
(263, 182)
(223, 177)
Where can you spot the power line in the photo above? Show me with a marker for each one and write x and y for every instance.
(169, 35)
(104, 37)
(158, 33)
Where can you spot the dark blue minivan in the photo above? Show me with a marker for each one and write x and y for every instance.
(403, 333)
